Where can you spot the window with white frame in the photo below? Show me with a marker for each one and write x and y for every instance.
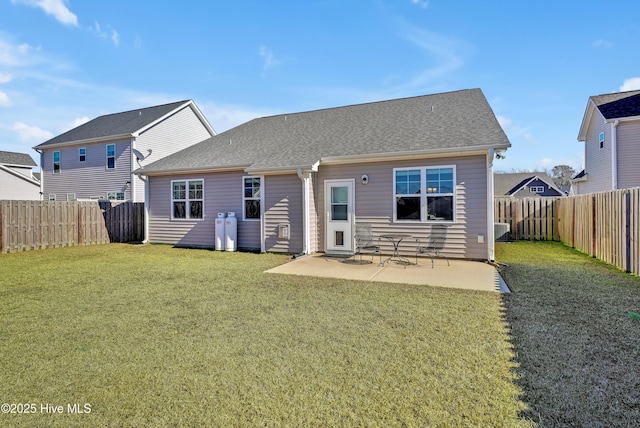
(82, 154)
(536, 189)
(251, 198)
(52, 197)
(424, 194)
(187, 199)
(71, 197)
(601, 140)
(115, 196)
(111, 156)
(56, 162)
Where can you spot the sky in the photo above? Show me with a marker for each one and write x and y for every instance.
(64, 62)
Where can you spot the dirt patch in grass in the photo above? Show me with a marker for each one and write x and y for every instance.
(157, 336)
(576, 342)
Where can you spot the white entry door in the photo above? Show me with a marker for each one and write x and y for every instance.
(339, 203)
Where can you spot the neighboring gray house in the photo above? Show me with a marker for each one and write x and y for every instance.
(96, 160)
(17, 180)
(611, 132)
(299, 182)
(525, 184)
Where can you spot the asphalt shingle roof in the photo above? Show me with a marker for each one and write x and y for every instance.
(108, 125)
(461, 119)
(12, 158)
(618, 104)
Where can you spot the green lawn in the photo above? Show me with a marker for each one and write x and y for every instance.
(576, 340)
(158, 336)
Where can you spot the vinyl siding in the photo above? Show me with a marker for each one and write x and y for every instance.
(283, 205)
(628, 154)
(91, 178)
(181, 130)
(374, 204)
(13, 187)
(597, 160)
(222, 194)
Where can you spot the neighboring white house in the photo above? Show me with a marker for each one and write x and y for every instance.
(96, 160)
(611, 132)
(300, 182)
(17, 180)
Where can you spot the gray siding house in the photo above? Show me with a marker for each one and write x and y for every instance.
(401, 165)
(17, 180)
(96, 160)
(610, 130)
(525, 184)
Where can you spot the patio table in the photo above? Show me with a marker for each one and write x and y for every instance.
(396, 239)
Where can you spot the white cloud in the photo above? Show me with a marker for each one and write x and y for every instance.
(504, 122)
(601, 43)
(223, 117)
(422, 3)
(530, 138)
(55, 8)
(269, 60)
(31, 134)
(107, 33)
(544, 164)
(5, 77)
(77, 122)
(5, 101)
(13, 55)
(445, 52)
(630, 84)
(115, 37)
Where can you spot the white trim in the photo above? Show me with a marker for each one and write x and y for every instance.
(189, 103)
(106, 160)
(187, 200)
(120, 137)
(423, 195)
(490, 233)
(614, 154)
(22, 176)
(351, 215)
(260, 199)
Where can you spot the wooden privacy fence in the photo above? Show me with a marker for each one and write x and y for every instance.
(30, 225)
(529, 218)
(605, 225)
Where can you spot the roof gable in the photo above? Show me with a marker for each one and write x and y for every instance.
(453, 121)
(17, 159)
(511, 183)
(116, 124)
(616, 105)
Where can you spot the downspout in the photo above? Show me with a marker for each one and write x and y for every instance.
(306, 237)
(41, 174)
(146, 208)
(614, 155)
(490, 215)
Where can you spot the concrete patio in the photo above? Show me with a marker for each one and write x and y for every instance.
(469, 275)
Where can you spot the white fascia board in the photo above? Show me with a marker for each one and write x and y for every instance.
(586, 119)
(623, 119)
(17, 174)
(283, 170)
(189, 103)
(227, 168)
(85, 141)
(470, 151)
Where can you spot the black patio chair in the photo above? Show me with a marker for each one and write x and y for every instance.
(433, 246)
(365, 242)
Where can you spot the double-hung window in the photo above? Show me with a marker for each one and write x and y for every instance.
(111, 156)
(251, 198)
(56, 162)
(601, 140)
(424, 194)
(187, 199)
(82, 154)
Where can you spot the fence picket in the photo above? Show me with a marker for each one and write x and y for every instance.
(30, 225)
